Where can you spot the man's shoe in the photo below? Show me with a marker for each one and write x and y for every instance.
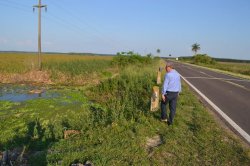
(169, 123)
(164, 120)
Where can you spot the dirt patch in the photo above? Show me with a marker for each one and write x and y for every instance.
(153, 142)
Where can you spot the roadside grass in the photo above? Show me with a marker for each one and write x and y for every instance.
(232, 68)
(115, 124)
(238, 68)
(197, 139)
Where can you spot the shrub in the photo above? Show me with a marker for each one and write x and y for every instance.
(126, 96)
(127, 58)
(203, 58)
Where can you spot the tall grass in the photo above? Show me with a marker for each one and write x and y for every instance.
(77, 67)
(16, 63)
(58, 68)
(21, 62)
(128, 94)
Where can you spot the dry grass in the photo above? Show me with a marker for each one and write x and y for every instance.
(31, 76)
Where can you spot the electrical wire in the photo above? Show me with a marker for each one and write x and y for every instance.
(59, 20)
(10, 5)
(97, 33)
(17, 3)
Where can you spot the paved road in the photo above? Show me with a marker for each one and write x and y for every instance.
(230, 94)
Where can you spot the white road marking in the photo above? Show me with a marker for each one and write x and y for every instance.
(229, 120)
(226, 79)
(206, 74)
(241, 86)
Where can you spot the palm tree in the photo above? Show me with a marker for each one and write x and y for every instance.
(195, 48)
(158, 51)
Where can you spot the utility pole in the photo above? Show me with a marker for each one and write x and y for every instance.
(39, 6)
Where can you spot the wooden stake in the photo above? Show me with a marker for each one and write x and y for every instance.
(155, 99)
(159, 76)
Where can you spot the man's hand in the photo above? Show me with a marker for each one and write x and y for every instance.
(163, 98)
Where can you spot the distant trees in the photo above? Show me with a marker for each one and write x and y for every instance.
(158, 51)
(126, 58)
(195, 48)
(203, 59)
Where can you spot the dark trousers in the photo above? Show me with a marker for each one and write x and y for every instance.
(171, 99)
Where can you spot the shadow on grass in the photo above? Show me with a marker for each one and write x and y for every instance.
(34, 144)
(157, 114)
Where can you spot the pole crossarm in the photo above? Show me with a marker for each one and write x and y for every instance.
(40, 6)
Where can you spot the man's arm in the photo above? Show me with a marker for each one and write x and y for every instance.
(164, 87)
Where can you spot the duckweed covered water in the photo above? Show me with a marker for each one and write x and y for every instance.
(21, 93)
(36, 120)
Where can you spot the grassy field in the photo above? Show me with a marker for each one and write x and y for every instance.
(115, 125)
(56, 68)
(28, 61)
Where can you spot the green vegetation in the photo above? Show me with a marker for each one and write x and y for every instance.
(130, 58)
(203, 59)
(21, 62)
(115, 123)
(206, 61)
(77, 67)
(238, 68)
(56, 68)
(16, 63)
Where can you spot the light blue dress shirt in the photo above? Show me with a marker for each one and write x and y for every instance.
(172, 82)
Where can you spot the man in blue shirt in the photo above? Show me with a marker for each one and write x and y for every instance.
(170, 92)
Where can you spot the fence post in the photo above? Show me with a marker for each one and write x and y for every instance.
(155, 99)
(159, 76)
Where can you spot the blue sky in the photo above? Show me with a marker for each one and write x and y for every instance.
(221, 27)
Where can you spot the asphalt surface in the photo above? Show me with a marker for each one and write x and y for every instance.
(230, 94)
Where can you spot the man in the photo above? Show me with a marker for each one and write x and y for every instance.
(170, 92)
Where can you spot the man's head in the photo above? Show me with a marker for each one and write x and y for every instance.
(169, 66)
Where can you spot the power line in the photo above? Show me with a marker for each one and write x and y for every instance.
(60, 20)
(17, 3)
(51, 17)
(11, 5)
(76, 17)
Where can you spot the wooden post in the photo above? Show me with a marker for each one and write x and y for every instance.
(159, 76)
(155, 99)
